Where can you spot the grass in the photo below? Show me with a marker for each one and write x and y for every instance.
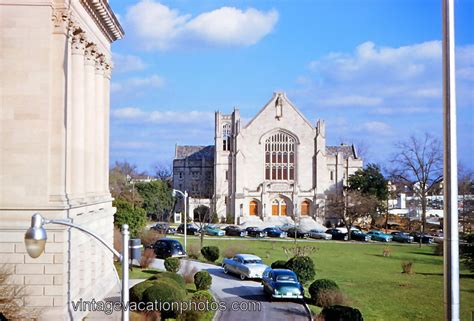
(373, 283)
(136, 272)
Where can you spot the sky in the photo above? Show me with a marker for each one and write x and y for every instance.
(370, 69)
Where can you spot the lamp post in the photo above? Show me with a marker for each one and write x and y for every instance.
(185, 198)
(35, 242)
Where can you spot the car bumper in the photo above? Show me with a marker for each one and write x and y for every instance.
(287, 296)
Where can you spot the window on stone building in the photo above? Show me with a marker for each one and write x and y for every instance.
(331, 175)
(181, 175)
(226, 175)
(226, 131)
(305, 208)
(280, 157)
(253, 208)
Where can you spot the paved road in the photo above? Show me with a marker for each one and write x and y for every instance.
(234, 292)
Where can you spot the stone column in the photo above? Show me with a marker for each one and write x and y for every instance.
(99, 123)
(90, 121)
(107, 74)
(77, 114)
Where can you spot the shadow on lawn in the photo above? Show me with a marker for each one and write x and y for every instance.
(461, 276)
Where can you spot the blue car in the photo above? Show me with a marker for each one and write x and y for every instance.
(282, 284)
(379, 236)
(402, 237)
(275, 232)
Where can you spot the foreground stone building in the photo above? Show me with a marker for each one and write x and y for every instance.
(54, 140)
(276, 168)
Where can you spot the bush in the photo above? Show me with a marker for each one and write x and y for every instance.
(387, 251)
(327, 298)
(172, 264)
(280, 264)
(232, 250)
(134, 216)
(164, 276)
(164, 291)
(439, 249)
(467, 252)
(188, 271)
(303, 266)
(317, 287)
(407, 267)
(194, 252)
(341, 313)
(147, 258)
(202, 280)
(136, 291)
(210, 253)
(195, 313)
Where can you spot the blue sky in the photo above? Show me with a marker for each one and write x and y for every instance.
(371, 69)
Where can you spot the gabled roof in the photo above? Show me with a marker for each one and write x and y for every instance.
(346, 150)
(283, 95)
(195, 152)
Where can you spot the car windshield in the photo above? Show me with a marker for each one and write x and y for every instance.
(252, 261)
(285, 278)
(175, 245)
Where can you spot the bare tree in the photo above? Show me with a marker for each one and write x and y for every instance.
(163, 171)
(465, 191)
(419, 163)
(351, 207)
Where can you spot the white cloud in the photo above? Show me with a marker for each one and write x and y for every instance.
(163, 28)
(377, 127)
(163, 117)
(379, 78)
(126, 63)
(133, 83)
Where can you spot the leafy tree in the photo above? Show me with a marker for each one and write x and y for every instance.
(419, 162)
(465, 189)
(126, 213)
(157, 198)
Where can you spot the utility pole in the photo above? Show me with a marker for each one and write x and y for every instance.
(451, 233)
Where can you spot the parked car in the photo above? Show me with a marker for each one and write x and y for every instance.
(274, 232)
(233, 230)
(245, 265)
(299, 233)
(282, 284)
(438, 237)
(425, 238)
(357, 235)
(317, 234)
(255, 232)
(402, 237)
(213, 230)
(190, 229)
(337, 234)
(163, 228)
(379, 236)
(165, 248)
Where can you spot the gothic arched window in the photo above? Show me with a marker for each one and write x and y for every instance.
(226, 136)
(280, 157)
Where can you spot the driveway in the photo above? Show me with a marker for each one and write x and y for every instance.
(244, 296)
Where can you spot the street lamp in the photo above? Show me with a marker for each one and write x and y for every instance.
(35, 242)
(185, 198)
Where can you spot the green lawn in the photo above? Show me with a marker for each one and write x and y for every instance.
(374, 283)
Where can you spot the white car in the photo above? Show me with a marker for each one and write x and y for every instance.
(317, 234)
(245, 265)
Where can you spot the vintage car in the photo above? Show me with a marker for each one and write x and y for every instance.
(274, 232)
(233, 230)
(337, 234)
(317, 234)
(425, 238)
(245, 265)
(190, 229)
(163, 228)
(255, 231)
(282, 284)
(402, 237)
(357, 235)
(299, 233)
(165, 248)
(379, 236)
(213, 230)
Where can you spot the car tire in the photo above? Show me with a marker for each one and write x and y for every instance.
(346, 238)
(226, 270)
(242, 277)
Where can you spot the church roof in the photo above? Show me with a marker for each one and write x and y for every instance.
(346, 150)
(195, 152)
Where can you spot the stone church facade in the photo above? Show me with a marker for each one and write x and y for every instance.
(274, 169)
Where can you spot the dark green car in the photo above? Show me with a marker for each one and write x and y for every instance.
(282, 284)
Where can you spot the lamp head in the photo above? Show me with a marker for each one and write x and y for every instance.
(173, 193)
(35, 236)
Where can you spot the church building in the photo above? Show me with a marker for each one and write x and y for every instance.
(275, 169)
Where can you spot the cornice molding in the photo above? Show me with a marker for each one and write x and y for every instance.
(105, 18)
